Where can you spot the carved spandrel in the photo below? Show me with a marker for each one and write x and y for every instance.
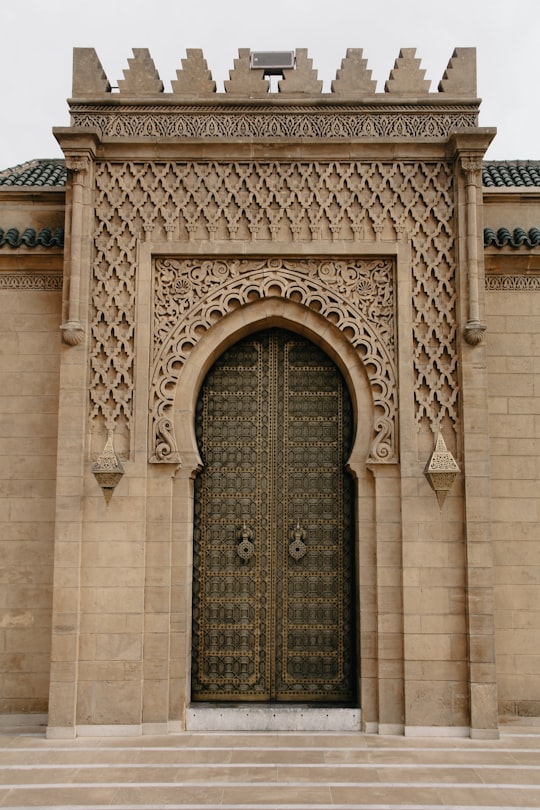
(364, 289)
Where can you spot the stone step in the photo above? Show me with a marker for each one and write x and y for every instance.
(269, 770)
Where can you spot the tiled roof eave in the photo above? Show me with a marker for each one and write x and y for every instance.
(511, 174)
(518, 238)
(30, 238)
(39, 174)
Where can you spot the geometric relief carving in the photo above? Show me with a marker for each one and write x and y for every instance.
(242, 201)
(357, 295)
(112, 353)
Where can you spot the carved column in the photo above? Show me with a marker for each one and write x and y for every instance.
(472, 168)
(78, 168)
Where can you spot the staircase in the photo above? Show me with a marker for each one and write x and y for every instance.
(265, 770)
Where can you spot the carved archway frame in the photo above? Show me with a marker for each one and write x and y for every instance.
(378, 483)
(266, 313)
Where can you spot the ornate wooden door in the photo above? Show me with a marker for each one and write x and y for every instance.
(273, 604)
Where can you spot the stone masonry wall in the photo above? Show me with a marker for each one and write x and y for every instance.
(514, 385)
(29, 364)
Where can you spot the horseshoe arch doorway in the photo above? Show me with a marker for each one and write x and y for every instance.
(274, 616)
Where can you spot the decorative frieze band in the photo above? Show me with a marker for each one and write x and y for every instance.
(46, 282)
(341, 123)
(513, 283)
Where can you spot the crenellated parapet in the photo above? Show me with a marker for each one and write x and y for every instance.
(252, 107)
(407, 77)
(460, 76)
(141, 78)
(194, 79)
(353, 79)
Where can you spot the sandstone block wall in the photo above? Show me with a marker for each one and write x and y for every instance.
(29, 366)
(514, 386)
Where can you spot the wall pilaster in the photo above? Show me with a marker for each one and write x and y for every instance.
(476, 441)
(72, 426)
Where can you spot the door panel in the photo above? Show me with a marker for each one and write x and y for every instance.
(273, 605)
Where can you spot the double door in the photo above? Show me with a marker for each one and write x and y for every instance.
(273, 579)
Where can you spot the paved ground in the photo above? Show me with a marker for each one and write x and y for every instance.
(261, 771)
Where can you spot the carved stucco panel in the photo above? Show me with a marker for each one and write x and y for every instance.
(357, 295)
(245, 201)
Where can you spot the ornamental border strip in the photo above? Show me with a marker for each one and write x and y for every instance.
(302, 123)
(44, 282)
(512, 282)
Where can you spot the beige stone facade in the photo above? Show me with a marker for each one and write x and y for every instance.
(192, 220)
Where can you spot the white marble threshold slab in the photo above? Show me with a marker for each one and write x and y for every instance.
(256, 717)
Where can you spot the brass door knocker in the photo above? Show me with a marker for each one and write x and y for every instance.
(245, 548)
(297, 548)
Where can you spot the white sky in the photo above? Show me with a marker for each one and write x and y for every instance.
(38, 37)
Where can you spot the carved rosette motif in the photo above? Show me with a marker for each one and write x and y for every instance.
(356, 295)
(245, 201)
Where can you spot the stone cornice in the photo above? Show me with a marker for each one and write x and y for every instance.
(512, 194)
(224, 101)
(31, 194)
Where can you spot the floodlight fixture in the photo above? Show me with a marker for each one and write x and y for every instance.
(272, 63)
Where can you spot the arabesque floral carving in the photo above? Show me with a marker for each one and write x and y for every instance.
(388, 121)
(357, 295)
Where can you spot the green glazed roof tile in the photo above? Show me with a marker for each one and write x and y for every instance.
(42, 173)
(511, 173)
